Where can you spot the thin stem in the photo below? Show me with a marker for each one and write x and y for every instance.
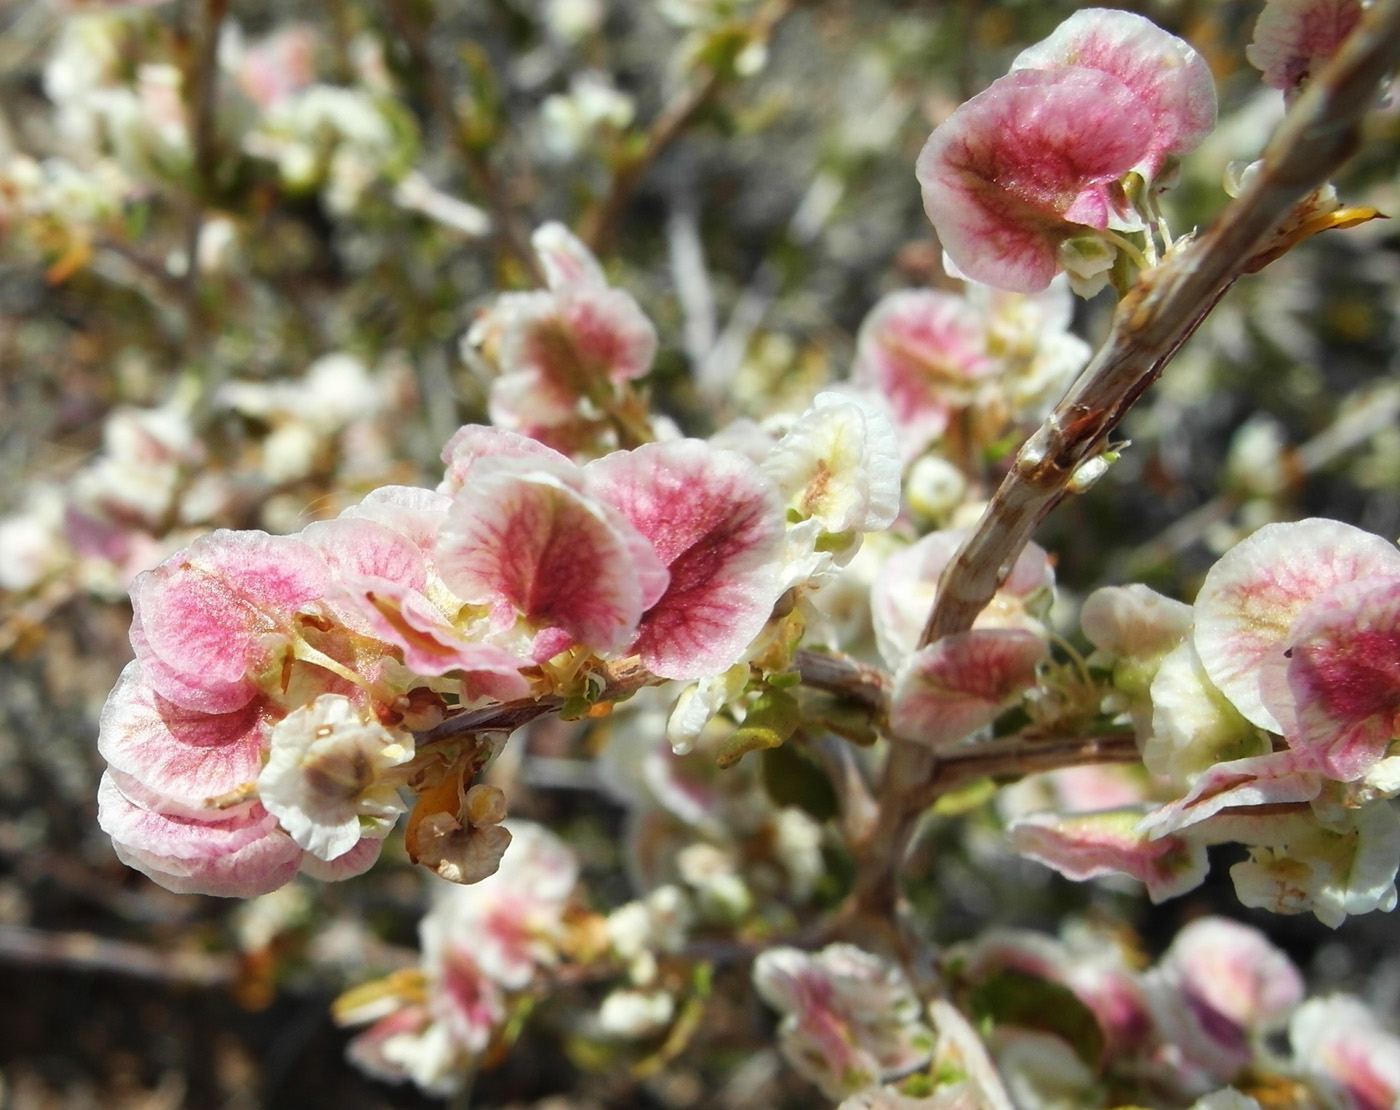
(1123, 243)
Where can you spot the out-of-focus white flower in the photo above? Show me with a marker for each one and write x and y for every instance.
(571, 120)
(570, 21)
(337, 138)
(633, 1014)
(720, 891)
(31, 541)
(416, 192)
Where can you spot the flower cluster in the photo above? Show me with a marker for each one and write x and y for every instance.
(281, 682)
(485, 948)
(962, 371)
(1267, 709)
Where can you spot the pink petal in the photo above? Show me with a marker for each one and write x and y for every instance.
(716, 522)
(565, 259)
(480, 441)
(355, 548)
(1251, 597)
(1087, 845)
(431, 645)
(237, 857)
(208, 617)
(1026, 164)
(1293, 39)
(524, 536)
(1169, 78)
(955, 686)
(181, 753)
(417, 513)
(1258, 780)
(924, 351)
(1345, 674)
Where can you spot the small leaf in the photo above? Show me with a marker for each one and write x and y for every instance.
(772, 718)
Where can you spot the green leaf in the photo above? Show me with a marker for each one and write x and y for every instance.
(771, 719)
(1015, 998)
(792, 778)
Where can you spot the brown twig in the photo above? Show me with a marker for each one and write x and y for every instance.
(1170, 301)
(20, 944)
(1017, 756)
(600, 221)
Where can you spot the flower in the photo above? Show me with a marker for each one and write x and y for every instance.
(324, 779)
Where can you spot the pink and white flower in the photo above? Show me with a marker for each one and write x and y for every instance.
(1219, 988)
(849, 1018)
(1022, 178)
(1293, 39)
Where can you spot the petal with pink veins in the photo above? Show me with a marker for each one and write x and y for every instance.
(1255, 592)
(1344, 673)
(181, 753)
(210, 618)
(1276, 778)
(1293, 39)
(1087, 845)
(1028, 163)
(953, 687)
(1162, 71)
(356, 548)
(525, 536)
(716, 523)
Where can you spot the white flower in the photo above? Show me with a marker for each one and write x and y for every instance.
(632, 1014)
(324, 776)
